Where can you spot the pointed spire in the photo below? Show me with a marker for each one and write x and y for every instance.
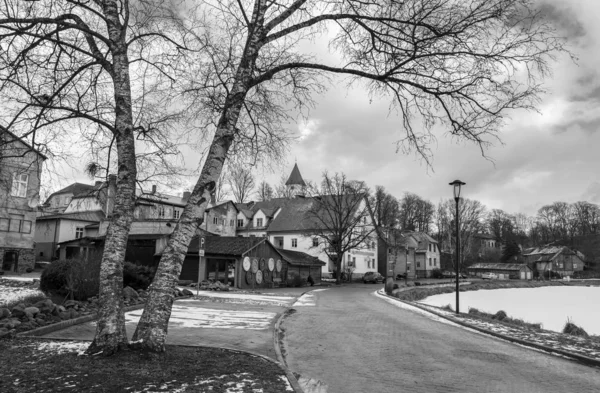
(295, 178)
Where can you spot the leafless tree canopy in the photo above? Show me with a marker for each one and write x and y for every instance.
(339, 216)
(416, 213)
(264, 191)
(241, 181)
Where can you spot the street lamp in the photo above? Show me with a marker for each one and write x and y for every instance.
(457, 184)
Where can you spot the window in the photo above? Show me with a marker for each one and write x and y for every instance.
(418, 264)
(215, 221)
(574, 266)
(429, 246)
(240, 222)
(19, 185)
(294, 243)
(434, 261)
(434, 248)
(352, 263)
(279, 241)
(429, 261)
(78, 233)
(259, 222)
(231, 223)
(161, 212)
(176, 214)
(41, 253)
(373, 245)
(315, 241)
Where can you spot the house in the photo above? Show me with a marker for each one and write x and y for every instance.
(285, 222)
(247, 263)
(485, 241)
(396, 253)
(504, 271)
(20, 172)
(427, 254)
(59, 201)
(559, 259)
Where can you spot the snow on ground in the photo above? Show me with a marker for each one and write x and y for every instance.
(244, 383)
(198, 317)
(550, 306)
(14, 294)
(243, 297)
(60, 347)
(22, 278)
(308, 299)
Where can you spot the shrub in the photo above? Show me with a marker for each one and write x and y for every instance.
(395, 286)
(137, 276)
(500, 315)
(75, 278)
(574, 330)
(436, 273)
(28, 270)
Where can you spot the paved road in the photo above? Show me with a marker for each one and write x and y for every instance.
(356, 343)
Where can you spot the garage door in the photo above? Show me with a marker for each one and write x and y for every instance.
(523, 275)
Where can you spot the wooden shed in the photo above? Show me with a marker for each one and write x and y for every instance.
(246, 262)
(505, 271)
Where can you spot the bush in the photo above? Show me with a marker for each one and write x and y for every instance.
(436, 273)
(28, 270)
(574, 330)
(75, 278)
(500, 315)
(137, 276)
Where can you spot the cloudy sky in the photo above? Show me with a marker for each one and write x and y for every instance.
(545, 157)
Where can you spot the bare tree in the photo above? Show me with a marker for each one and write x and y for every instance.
(222, 189)
(416, 213)
(443, 62)
(265, 191)
(384, 210)
(241, 181)
(339, 217)
(501, 225)
(94, 67)
(282, 190)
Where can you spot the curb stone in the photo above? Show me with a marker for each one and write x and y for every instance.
(573, 356)
(277, 345)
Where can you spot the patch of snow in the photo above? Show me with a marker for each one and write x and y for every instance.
(14, 294)
(550, 306)
(198, 317)
(308, 299)
(243, 296)
(60, 347)
(288, 386)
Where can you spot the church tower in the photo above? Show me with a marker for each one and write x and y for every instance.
(295, 184)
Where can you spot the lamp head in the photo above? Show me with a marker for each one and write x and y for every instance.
(457, 185)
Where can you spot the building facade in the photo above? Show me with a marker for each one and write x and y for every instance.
(20, 173)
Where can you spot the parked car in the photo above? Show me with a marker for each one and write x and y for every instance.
(489, 276)
(400, 276)
(373, 277)
(448, 274)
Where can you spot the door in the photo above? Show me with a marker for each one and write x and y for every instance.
(523, 275)
(10, 261)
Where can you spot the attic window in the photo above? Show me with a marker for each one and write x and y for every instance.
(315, 241)
(215, 220)
(259, 222)
(240, 222)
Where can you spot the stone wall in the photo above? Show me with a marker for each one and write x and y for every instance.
(26, 259)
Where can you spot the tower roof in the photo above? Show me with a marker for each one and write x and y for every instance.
(295, 177)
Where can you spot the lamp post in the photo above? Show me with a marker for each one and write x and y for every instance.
(457, 184)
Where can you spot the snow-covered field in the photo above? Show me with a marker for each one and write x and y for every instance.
(550, 306)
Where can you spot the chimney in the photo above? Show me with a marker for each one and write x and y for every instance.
(186, 195)
(153, 189)
(110, 194)
(213, 198)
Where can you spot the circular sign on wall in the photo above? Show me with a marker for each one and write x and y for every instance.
(259, 277)
(271, 264)
(278, 265)
(249, 278)
(262, 264)
(254, 265)
(246, 264)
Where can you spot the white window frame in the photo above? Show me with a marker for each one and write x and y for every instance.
(176, 213)
(315, 241)
(294, 243)
(259, 222)
(78, 232)
(19, 185)
(240, 222)
(161, 212)
(215, 220)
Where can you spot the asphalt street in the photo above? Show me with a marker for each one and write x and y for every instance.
(354, 342)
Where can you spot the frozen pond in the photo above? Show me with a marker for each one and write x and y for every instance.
(550, 306)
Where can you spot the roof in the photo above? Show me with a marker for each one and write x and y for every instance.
(295, 177)
(75, 189)
(163, 198)
(93, 216)
(226, 245)
(485, 236)
(498, 266)
(23, 142)
(222, 204)
(300, 258)
(421, 238)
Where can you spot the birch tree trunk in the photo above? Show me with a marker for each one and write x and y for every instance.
(110, 334)
(151, 332)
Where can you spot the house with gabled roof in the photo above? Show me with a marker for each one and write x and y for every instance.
(287, 224)
(427, 254)
(20, 174)
(559, 259)
(397, 251)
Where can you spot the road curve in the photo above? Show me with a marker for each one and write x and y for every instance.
(356, 343)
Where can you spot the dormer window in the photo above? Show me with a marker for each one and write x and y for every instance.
(259, 222)
(240, 222)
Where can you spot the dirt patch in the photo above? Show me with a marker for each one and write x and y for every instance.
(52, 366)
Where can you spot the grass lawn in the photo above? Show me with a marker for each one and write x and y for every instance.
(30, 365)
